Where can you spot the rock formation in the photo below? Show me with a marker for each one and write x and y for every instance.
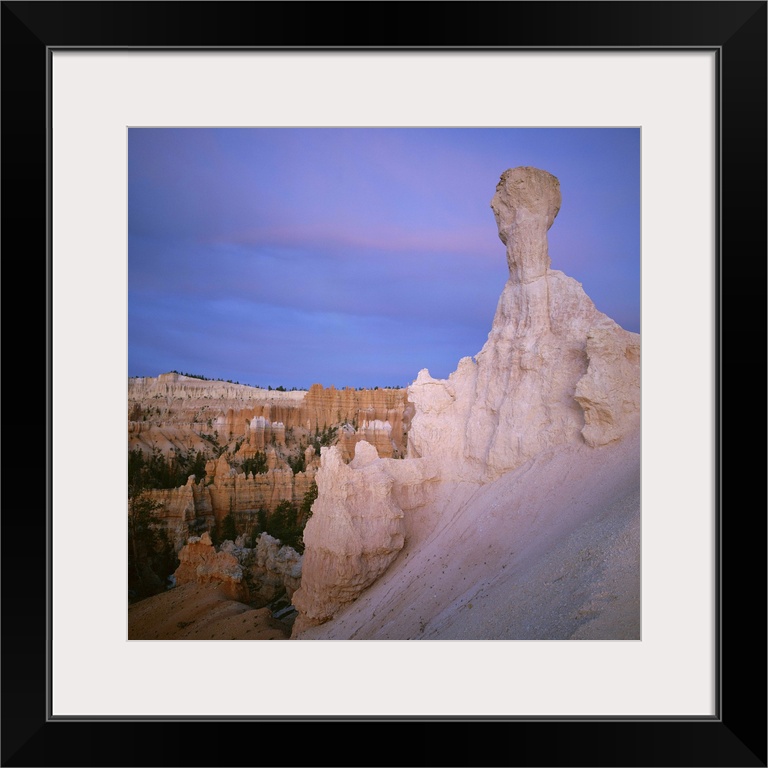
(180, 412)
(250, 575)
(357, 527)
(230, 424)
(183, 511)
(554, 372)
(199, 561)
(244, 494)
(200, 505)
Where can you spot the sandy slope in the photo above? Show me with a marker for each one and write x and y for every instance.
(193, 612)
(549, 551)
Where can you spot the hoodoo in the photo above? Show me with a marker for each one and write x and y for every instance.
(554, 369)
(556, 378)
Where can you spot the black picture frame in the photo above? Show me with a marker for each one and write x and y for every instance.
(736, 736)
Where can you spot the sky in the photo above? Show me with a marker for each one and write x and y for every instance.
(355, 256)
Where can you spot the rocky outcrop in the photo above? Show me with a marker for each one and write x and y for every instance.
(377, 433)
(356, 529)
(554, 372)
(244, 494)
(200, 562)
(325, 407)
(609, 392)
(554, 369)
(260, 433)
(270, 568)
(183, 511)
(166, 438)
(252, 575)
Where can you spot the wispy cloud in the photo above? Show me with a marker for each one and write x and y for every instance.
(354, 256)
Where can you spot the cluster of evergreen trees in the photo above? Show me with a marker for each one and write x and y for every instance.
(324, 437)
(159, 471)
(151, 556)
(257, 464)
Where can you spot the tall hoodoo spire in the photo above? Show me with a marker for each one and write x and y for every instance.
(554, 372)
(525, 205)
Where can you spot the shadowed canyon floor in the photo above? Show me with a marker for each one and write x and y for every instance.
(201, 612)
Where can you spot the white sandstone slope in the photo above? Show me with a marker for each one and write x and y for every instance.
(549, 551)
(523, 464)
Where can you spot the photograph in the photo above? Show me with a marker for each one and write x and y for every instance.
(384, 383)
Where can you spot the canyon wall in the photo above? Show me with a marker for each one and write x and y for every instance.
(554, 372)
(230, 424)
(183, 511)
(200, 505)
(174, 411)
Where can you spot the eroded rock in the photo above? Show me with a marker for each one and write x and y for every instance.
(554, 371)
(255, 575)
(356, 530)
(519, 395)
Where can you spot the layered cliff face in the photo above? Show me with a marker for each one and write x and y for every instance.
(182, 413)
(232, 424)
(183, 511)
(238, 492)
(554, 372)
(201, 504)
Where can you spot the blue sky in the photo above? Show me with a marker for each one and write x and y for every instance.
(355, 256)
